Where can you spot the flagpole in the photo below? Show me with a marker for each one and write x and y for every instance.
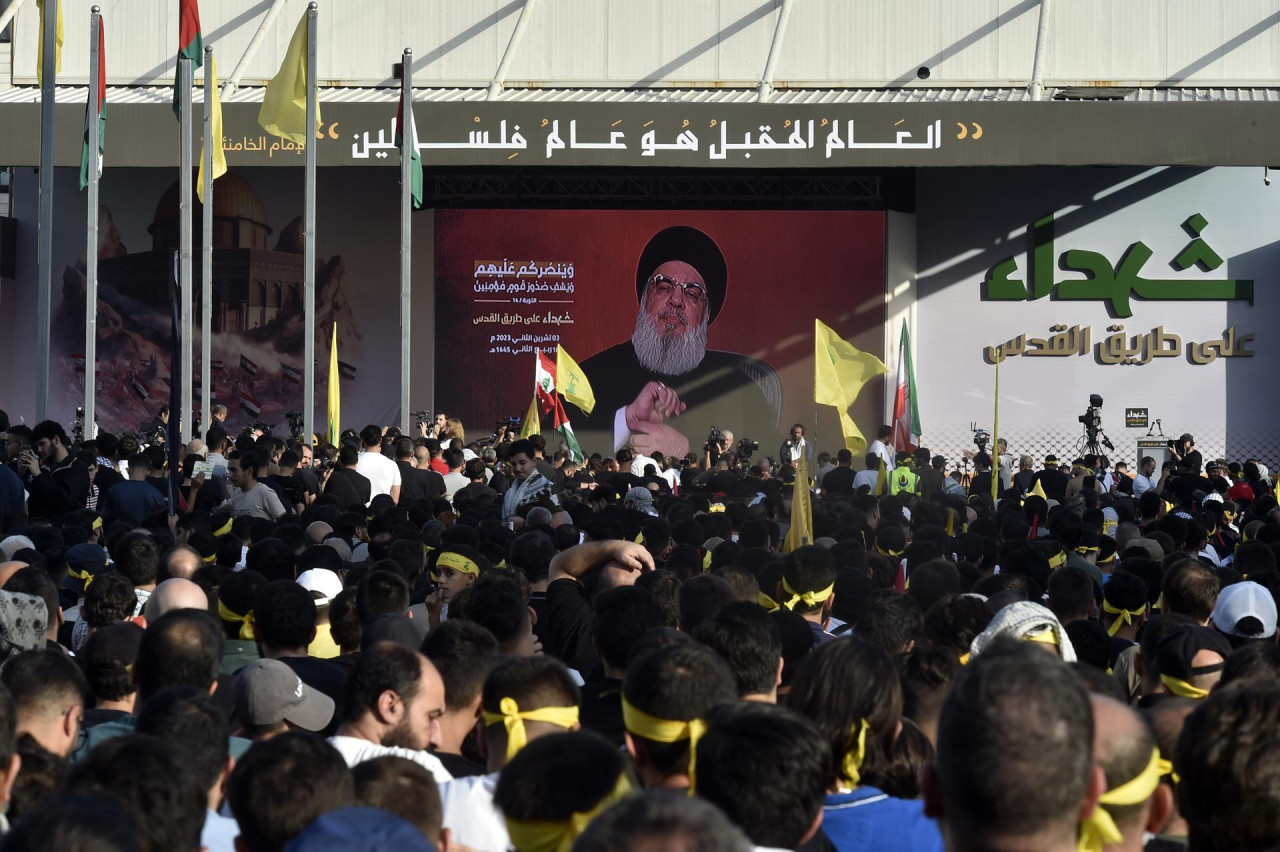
(309, 239)
(407, 142)
(91, 239)
(995, 431)
(206, 254)
(44, 286)
(182, 372)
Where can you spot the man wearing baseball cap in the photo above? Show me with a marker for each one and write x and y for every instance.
(1245, 612)
(271, 700)
(324, 585)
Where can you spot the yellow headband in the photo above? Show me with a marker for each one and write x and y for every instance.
(1182, 688)
(884, 551)
(808, 598)
(769, 604)
(224, 529)
(558, 836)
(97, 524)
(245, 621)
(512, 717)
(641, 724)
(1057, 560)
(1099, 829)
(706, 562)
(856, 752)
(1123, 616)
(210, 559)
(1044, 637)
(964, 658)
(1083, 550)
(459, 563)
(715, 508)
(83, 576)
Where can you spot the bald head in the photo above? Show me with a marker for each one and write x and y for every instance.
(1123, 745)
(8, 569)
(176, 593)
(183, 561)
(316, 531)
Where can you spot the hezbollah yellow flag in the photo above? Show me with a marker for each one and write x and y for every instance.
(532, 423)
(801, 530)
(1038, 491)
(57, 48)
(572, 383)
(839, 372)
(215, 119)
(335, 400)
(284, 104)
(882, 479)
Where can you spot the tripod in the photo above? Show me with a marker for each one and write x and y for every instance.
(1093, 442)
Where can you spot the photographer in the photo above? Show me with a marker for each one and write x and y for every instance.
(56, 481)
(1184, 453)
(719, 443)
(793, 447)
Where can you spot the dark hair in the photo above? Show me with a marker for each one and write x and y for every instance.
(43, 682)
(343, 628)
(954, 621)
(80, 821)
(748, 640)
(890, 620)
(381, 667)
(191, 720)
(842, 683)
(662, 819)
(402, 788)
(532, 553)
(42, 774)
(533, 683)
(1253, 660)
(49, 429)
(808, 569)
(1091, 642)
(912, 751)
(1125, 591)
(371, 436)
(767, 768)
(518, 447)
(1190, 589)
(665, 586)
(1229, 743)
(284, 615)
(464, 653)
(150, 779)
(497, 603)
(1070, 593)
(108, 599)
(556, 776)
(138, 560)
(933, 581)
(622, 615)
(677, 682)
(183, 647)
(700, 598)
(1015, 744)
(281, 785)
(381, 592)
(926, 673)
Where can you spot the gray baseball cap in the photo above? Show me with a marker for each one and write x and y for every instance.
(268, 692)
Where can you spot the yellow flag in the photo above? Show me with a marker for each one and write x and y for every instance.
(335, 400)
(882, 479)
(839, 372)
(57, 49)
(215, 119)
(572, 383)
(532, 423)
(801, 531)
(284, 104)
(1038, 491)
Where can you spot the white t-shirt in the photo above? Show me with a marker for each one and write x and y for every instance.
(472, 818)
(381, 472)
(355, 750)
(866, 477)
(883, 451)
(639, 462)
(453, 483)
(1142, 484)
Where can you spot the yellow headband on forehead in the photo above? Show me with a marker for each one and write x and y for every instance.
(514, 718)
(808, 598)
(558, 835)
(1057, 560)
(641, 724)
(1100, 829)
(245, 621)
(224, 529)
(459, 563)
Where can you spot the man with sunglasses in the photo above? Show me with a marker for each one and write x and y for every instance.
(663, 389)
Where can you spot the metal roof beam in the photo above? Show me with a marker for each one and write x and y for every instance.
(509, 55)
(765, 89)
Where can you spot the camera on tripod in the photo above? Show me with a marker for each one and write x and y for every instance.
(1092, 420)
(745, 448)
(981, 437)
(295, 423)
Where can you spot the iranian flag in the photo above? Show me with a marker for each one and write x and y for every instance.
(906, 414)
(415, 161)
(190, 43)
(549, 402)
(100, 109)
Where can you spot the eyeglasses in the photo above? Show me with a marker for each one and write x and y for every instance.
(664, 286)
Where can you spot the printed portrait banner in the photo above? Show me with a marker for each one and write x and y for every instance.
(681, 321)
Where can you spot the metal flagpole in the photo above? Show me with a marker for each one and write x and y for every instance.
(44, 286)
(94, 113)
(309, 240)
(182, 372)
(995, 432)
(407, 142)
(206, 257)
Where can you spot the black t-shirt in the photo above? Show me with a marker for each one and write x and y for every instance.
(570, 621)
(839, 481)
(350, 487)
(602, 707)
(415, 484)
(459, 766)
(294, 491)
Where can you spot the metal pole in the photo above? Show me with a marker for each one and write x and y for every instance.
(407, 141)
(1036, 90)
(7, 15)
(91, 237)
(268, 19)
(765, 89)
(309, 241)
(182, 372)
(206, 257)
(44, 284)
(509, 55)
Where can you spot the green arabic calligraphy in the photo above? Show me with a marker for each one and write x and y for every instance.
(1114, 284)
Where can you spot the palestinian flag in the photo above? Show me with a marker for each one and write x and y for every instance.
(100, 109)
(906, 414)
(249, 403)
(247, 365)
(415, 161)
(190, 43)
(291, 373)
(216, 366)
(549, 401)
(347, 371)
(141, 389)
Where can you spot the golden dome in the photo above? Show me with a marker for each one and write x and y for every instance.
(233, 198)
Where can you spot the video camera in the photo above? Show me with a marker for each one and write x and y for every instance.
(981, 437)
(746, 447)
(1092, 417)
(715, 440)
(420, 418)
(295, 423)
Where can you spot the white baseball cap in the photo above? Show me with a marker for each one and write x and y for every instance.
(321, 580)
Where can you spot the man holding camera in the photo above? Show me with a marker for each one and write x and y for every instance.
(57, 482)
(1184, 453)
(794, 447)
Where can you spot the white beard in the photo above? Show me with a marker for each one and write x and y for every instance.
(668, 354)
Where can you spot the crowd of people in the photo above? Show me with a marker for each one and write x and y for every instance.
(419, 642)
